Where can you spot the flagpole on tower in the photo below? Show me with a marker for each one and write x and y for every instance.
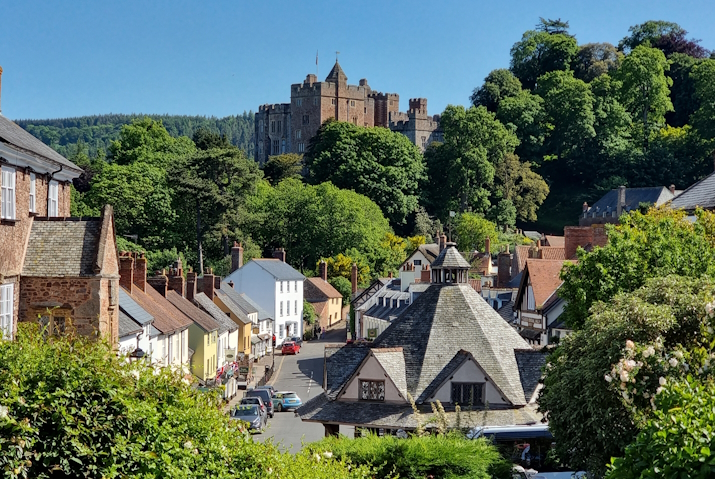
(317, 72)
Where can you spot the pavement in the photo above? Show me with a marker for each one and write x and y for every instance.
(303, 374)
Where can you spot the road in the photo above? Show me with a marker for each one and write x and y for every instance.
(302, 373)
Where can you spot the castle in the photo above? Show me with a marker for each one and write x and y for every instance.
(288, 127)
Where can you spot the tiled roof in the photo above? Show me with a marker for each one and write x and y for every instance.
(225, 323)
(700, 194)
(656, 195)
(167, 318)
(555, 241)
(262, 313)
(200, 318)
(530, 362)
(476, 284)
(521, 254)
(450, 258)
(551, 252)
(319, 307)
(544, 277)
(226, 297)
(446, 319)
(393, 362)
(315, 289)
(63, 247)
(278, 269)
(127, 325)
(22, 140)
(340, 363)
(132, 309)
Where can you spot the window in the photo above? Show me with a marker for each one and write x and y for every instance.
(283, 146)
(372, 390)
(32, 192)
(7, 297)
(52, 200)
(295, 310)
(208, 366)
(260, 147)
(424, 141)
(315, 100)
(260, 126)
(301, 147)
(184, 346)
(295, 286)
(530, 302)
(279, 126)
(281, 308)
(275, 147)
(332, 101)
(306, 119)
(282, 331)
(171, 348)
(7, 187)
(467, 393)
(417, 262)
(298, 101)
(281, 282)
(297, 134)
(352, 102)
(273, 126)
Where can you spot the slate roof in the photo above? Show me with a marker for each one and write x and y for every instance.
(385, 312)
(429, 250)
(63, 247)
(544, 277)
(448, 318)
(241, 300)
(132, 309)
(418, 287)
(226, 295)
(262, 313)
(507, 311)
(278, 269)
(127, 325)
(450, 258)
(457, 360)
(315, 289)
(341, 361)
(656, 195)
(530, 362)
(200, 318)
(336, 74)
(167, 318)
(700, 194)
(515, 281)
(21, 140)
(225, 323)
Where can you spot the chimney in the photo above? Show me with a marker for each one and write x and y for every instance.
(585, 207)
(126, 271)
(323, 270)
(442, 242)
(389, 275)
(207, 284)
(621, 201)
(503, 268)
(236, 256)
(159, 282)
(279, 253)
(140, 271)
(0, 87)
(230, 284)
(176, 278)
(354, 277)
(425, 276)
(217, 282)
(190, 285)
(672, 190)
(487, 245)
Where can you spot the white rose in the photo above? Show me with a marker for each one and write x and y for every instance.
(608, 378)
(328, 454)
(678, 354)
(3, 412)
(661, 381)
(673, 362)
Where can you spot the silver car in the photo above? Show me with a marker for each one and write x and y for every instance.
(250, 413)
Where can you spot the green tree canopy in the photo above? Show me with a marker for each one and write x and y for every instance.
(540, 52)
(472, 231)
(517, 183)
(376, 162)
(595, 59)
(281, 167)
(647, 34)
(703, 120)
(498, 85)
(147, 140)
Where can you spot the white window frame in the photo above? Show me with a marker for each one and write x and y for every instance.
(8, 195)
(530, 302)
(281, 308)
(295, 307)
(33, 193)
(53, 199)
(7, 303)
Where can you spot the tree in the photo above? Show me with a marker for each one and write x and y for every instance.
(424, 226)
(341, 266)
(376, 162)
(523, 188)
(595, 59)
(391, 254)
(498, 85)
(309, 315)
(147, 141)
(540, 52)
(205, 139)
(647, 33)
(659, 243)
(552, 26)
(675, 42)
(645, 89)
(472, 231)
(344, 286)
(703, 120)
(601, 383)
(524, 114)
(280, 167)
(682, 93)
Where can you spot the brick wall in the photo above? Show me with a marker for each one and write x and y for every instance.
(584, 236)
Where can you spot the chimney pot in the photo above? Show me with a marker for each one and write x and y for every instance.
(208, 285)
(487, 245)
(672, 189)
(236, 256)
(140, 271)
(190, 285)
(585, 207)
(126, 271)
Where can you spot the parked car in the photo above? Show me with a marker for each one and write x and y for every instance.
(297, 340)
(289, 347)
(266, 396)
(256, 400)
(271, 389)
(285, 400)
(251, 413)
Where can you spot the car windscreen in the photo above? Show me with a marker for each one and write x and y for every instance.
(245, 410)
(261, 393)
(288, 395)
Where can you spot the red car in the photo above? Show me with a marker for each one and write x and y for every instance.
(289, 347)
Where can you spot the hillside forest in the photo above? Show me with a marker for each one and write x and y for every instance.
(561, 124)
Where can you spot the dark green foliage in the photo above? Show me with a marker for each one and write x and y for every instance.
(282, 167)
(540, 52)
(647, 33)
(344, 286)
(595, 59)
(309, 315)
(98, 131)
(439, 457)
(498, 85)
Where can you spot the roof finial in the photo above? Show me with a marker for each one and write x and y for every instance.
(336, 56)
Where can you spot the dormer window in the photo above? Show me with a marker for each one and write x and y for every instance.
(372, 390)
(467, 394)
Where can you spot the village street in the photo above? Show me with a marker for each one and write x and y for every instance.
(302, 373)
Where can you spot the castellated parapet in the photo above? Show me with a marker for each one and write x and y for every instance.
(288, 127)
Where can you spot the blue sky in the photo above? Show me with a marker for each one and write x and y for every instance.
(70, 58)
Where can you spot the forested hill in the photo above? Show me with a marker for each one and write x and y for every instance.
(97, 131)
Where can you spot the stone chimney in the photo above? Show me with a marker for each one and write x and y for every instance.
(487, 245)
(0, 88)
(585, 207)
(323, 270)
(190, 285)
(442, 242)
(176, 278)
(503, 268)
(425, 276)
(354, 278)
(279, 253)
(621, 201)
(236, 256)
(140, 271)
(160, 282)
(672, 190)
(207, 284)
(126, 271)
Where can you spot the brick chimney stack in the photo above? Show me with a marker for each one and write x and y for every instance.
(159, 282)
(217, 282)
(207, 283)
(279, 253)
(190, 285)
(672, 190)
(236, 256)
(425, 276)
(176, 278)
(487, 245)
(140, 271)
(503, 268)
(621, 201)
(323, 270)
(354, 277)
(126, 271)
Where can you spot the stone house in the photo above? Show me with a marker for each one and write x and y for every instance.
(622, 200)
(325, 299)
(449, 346)
(698, 195)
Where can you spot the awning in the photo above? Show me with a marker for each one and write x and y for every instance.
(264, 336)
(255, 340)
